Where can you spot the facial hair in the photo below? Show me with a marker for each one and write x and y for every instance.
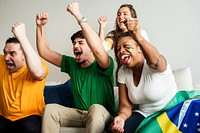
(82, 62)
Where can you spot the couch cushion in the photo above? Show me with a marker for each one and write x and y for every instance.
(60, 94)
(183, 78)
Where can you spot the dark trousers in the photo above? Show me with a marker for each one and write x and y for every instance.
(133, 122)
(30, 124)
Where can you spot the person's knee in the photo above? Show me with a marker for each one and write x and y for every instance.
(96, 108)
(32, 129)
(50, 111)
(31, 124)
(97, 118)
(98, 113)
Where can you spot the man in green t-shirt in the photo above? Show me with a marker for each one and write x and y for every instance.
(91, 73)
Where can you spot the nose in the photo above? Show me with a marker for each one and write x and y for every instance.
(122, 50)
(121, 16)
(6, 56)
(76, 44)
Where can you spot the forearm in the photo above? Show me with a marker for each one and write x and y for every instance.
(96, 46)
(151, 54)
(41, 42)
(32, 59)
(124, 112)
(102, 33)
(44, 49)
(91, 37)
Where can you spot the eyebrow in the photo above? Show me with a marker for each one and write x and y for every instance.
(80, 40)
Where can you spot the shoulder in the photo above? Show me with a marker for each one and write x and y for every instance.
(112, 32)
(112, 64)
(165, 72)
(144, 34)
(65, 57)
(67, 60)
(1, 57)
(124, 70)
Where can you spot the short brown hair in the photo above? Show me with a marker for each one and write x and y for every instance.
(78, 34)
(12, 40)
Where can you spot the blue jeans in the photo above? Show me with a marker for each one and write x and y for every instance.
(30, 124)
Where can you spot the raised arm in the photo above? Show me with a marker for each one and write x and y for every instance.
(106, 41)
(42, 43)
(32, 59)
(154, 59)
(102, 27)
(91, 37)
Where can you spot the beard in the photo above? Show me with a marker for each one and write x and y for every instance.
(82, 62)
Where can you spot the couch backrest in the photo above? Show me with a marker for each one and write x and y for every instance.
(60, 94)
(183, 78)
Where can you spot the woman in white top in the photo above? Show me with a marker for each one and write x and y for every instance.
(145, 78)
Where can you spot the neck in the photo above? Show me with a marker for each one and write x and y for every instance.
(124, 30)
(137, 70)
(88, 62)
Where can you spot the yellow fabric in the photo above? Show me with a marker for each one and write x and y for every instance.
(165, 123)
(109, 42)
(20, 94)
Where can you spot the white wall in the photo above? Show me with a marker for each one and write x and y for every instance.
(173, 26)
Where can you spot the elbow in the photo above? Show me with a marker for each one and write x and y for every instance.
(43, 54)
(160, 64)
(39, 74)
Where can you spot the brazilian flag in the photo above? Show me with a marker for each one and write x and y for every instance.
(181, 115)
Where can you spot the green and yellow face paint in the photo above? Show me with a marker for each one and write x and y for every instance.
(130, 48)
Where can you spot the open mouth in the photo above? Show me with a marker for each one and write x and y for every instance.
(77, 54)
(123, 21)
(125, 59)
(10, 65)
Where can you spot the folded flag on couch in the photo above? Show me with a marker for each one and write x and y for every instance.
(183, 117)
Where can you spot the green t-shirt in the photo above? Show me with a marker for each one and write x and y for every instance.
(91, 85)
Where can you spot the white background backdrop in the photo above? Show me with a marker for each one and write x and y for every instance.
(173, 26)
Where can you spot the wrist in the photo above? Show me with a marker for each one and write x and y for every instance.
(140, 39)
(102, 27)
(123, 115)
(82, 20)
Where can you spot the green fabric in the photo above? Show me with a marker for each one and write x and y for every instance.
(91, 85)
(150, 123)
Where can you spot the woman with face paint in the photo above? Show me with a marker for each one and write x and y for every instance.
(126, 17)
(144, 79)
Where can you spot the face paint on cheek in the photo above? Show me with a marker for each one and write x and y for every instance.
(130, 48)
